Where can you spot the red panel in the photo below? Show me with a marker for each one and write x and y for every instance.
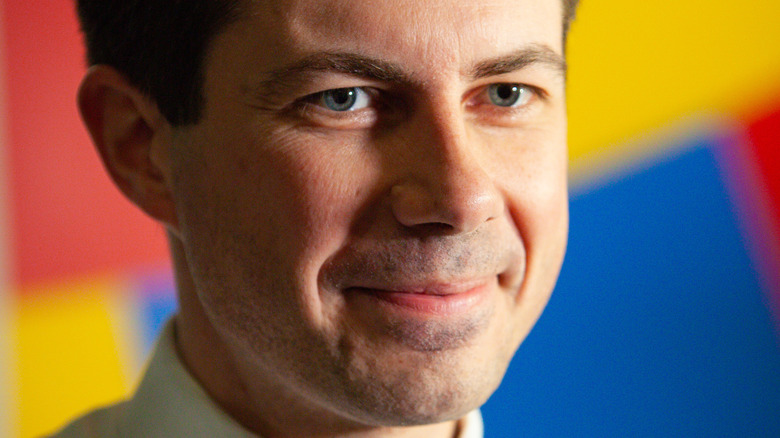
(66, 217)
(764, 132)
(765, 136)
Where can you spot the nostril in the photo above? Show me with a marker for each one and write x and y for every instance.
(434, 228)
(444, 207)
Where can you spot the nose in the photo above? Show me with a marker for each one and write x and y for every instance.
(443, 183)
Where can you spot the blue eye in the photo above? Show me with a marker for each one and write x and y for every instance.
(509, 95)
(344, 99)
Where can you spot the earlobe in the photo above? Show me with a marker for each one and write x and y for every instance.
(133, 139)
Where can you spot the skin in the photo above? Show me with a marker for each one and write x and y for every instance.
(360, 273)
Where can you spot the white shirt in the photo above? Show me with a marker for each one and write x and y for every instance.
(170, 403)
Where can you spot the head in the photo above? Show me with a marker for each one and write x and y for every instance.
(366, 201)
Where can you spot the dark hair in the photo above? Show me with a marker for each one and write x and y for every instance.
(569, 10)
(160, 45)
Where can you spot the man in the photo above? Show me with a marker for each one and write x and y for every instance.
(365, 201)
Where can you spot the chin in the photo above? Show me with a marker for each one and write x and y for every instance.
(416, 410)
(411, 397)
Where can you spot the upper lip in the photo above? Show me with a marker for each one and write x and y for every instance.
(432, 266)
(425, 287)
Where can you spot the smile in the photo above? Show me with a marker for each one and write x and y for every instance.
(440, 299)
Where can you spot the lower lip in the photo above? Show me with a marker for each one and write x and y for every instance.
(442, 305)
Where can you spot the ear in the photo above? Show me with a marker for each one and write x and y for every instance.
(133, 139)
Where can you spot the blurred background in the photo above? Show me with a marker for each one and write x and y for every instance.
(665, 321)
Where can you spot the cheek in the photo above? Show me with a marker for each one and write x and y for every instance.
(533, 171)
(309, 192)
(537, 194)
(268, 199)
(276, 187)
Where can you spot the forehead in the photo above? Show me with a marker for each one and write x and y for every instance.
(423, 35)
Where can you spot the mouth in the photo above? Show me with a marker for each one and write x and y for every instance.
(431, 299)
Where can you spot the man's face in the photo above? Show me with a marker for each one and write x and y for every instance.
(378, 252)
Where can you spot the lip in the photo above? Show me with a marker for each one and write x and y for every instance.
(435, 299)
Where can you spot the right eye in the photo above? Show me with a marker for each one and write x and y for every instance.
(509, 95)
(343, 99)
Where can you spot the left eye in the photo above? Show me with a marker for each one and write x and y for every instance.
(509, 95)
(344, 99)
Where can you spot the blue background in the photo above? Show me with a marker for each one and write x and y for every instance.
(658, 326)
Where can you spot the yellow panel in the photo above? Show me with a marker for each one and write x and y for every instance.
(7, 361)
(71, 352)
(636, 66)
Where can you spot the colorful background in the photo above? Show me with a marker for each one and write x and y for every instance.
(664, 322)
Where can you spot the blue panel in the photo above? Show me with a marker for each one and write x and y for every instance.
(658, 326)
(158, 302)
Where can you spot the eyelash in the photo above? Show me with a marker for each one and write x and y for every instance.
(495, 114)
(312, 106)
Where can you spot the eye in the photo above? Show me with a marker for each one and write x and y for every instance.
(344, 99)
(509, 95)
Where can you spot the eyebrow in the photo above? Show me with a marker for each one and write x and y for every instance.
(535, 54)
(279, 81)
(346, 63)
(358, 65)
